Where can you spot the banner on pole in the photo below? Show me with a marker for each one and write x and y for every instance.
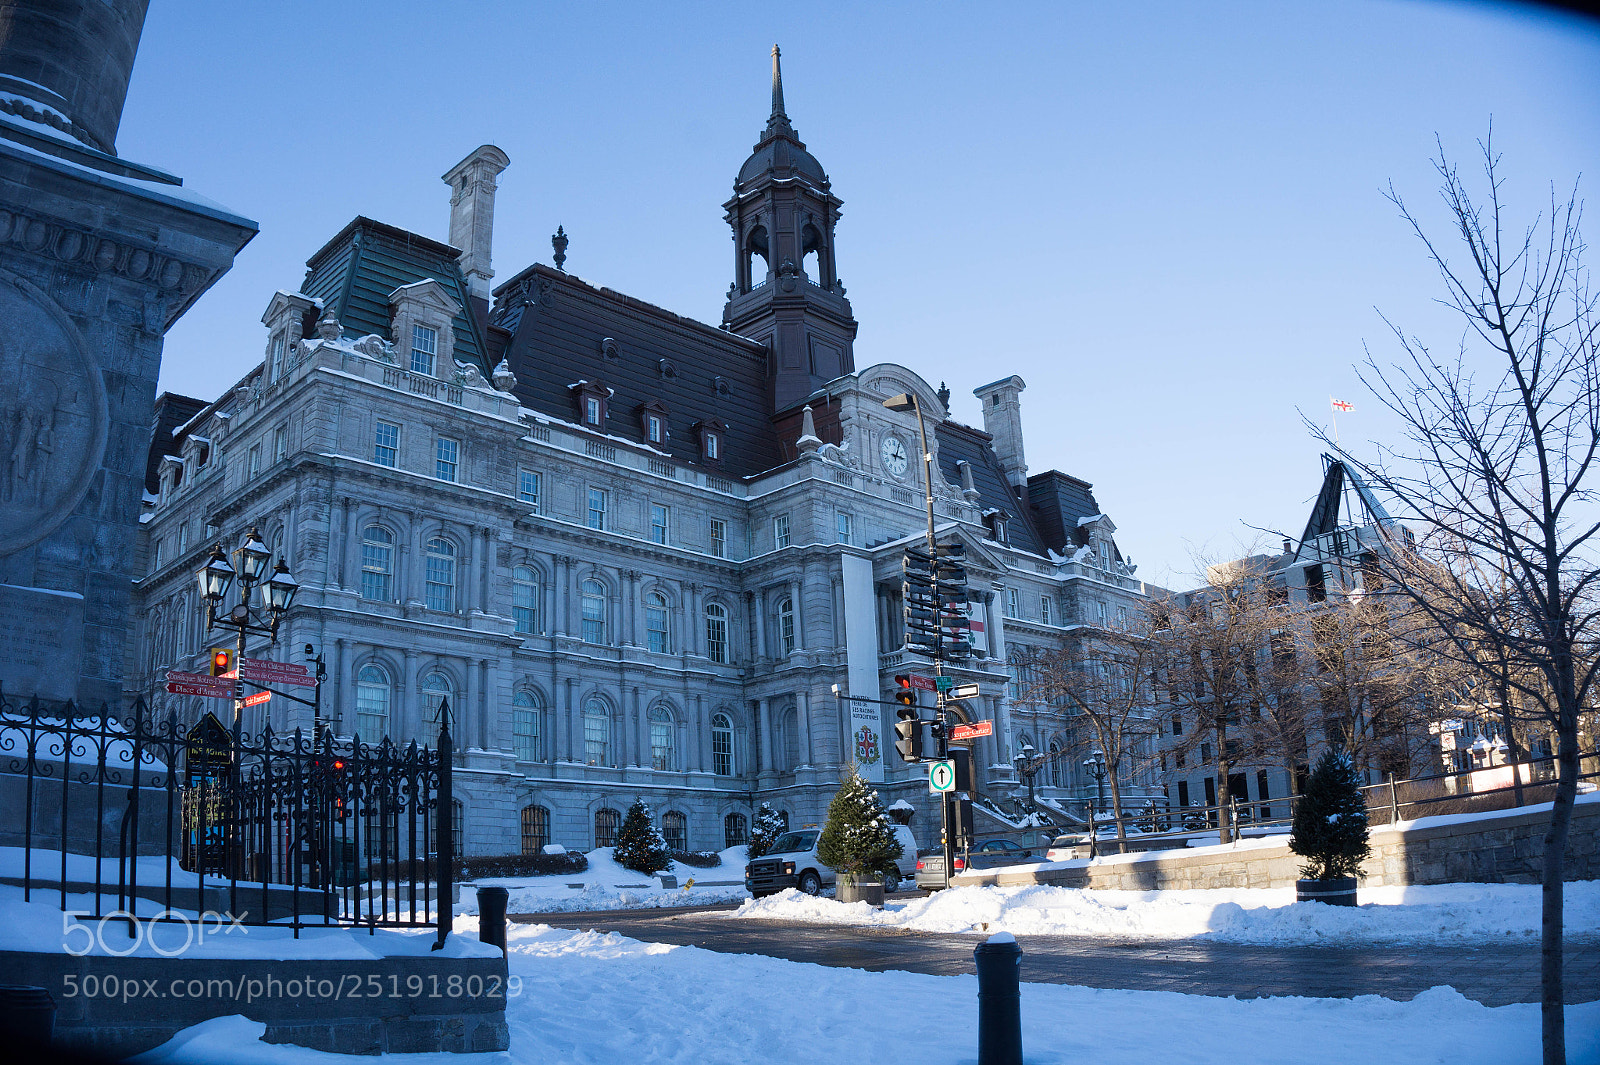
(866, 737)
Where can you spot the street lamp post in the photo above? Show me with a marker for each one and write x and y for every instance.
(1029, 769)
(1096, 764)
(217, 577)
(903, 402)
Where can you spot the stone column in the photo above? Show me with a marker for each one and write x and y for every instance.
(566, 723)
(628, 711)
(756, 603)
(469, 715)
(343, 693)
(799, 616)
(404, 723)
(802, 717)
(765, 745)
(702, 729)
(350, 562)
(692, 635)
(496, 734)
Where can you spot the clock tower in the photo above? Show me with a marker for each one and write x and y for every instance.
(786, 289)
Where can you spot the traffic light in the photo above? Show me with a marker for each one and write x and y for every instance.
(907, 727)
(221, 661)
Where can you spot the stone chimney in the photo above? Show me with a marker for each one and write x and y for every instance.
(1002, 419)
(472, 187)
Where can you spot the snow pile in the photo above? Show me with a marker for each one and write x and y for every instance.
(1440, 913)
(591, 998)
(605, 885)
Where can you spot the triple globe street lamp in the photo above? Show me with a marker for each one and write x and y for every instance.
(245, 618)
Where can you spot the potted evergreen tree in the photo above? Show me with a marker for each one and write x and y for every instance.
(1330, 832)
(639, 843)
(858, 842)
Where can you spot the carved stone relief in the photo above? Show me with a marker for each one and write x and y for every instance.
(53, 419)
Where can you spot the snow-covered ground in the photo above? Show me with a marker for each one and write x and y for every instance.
(591, 998)
(608, 886)
(1439, 913)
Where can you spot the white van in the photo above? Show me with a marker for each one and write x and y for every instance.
(793, 863)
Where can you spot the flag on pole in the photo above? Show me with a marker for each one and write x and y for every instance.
(1340, 406)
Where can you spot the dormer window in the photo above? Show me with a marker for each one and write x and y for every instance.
(591, 397)
(711, 433)
(653, 423)
(654, 429)
(424, 349)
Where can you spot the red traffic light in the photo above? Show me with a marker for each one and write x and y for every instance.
(221, 661)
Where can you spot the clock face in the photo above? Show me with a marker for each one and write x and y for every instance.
(894, 456)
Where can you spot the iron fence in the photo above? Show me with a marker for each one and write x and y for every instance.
(116, 814)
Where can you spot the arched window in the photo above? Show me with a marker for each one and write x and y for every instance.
(525, 599)
(661, 729)
(811, 253)
(372, 702)
(717, 632)
(721, 745)
(1059, 774)
(675, 830)
(735, 830)
(525, 726)
(593, 594)
(596, 733)
(789, 738)
(756, 244)
(377, 564)
(606, 823)
(535, 829)
(786, 625)
(441, 575)
(657, 637)
(435, 690)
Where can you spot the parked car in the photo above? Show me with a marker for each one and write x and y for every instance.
(793, 863)
(990, 854)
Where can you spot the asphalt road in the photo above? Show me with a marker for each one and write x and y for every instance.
(1493, 975)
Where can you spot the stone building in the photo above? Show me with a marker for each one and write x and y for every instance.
(640, 555)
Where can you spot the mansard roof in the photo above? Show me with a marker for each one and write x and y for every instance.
(355, 272)
(1060, 502)
(564, 330)
(959, 442)
(171, 412)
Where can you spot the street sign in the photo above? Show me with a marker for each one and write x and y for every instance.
(972, 731)
(181, 683)
(921, 683)
(263, 671)
(943, 683)
(965, 691)
(941, 776)
(258, 698)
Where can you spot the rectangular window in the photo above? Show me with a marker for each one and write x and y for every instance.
(719, 538)
(1205, 754)
(528, 489)
(780, 531)
(711, 445)
(596, 733)
(1012, 609)
(424, 346)
(1183, 792)
(445, 459)
(846, 522)
(659, 516)
(1044, 609)
(722, 751)
(277, 357)
(1122, 617)
(254, 466)
(1100, 611)
(280, 443)
(597, 508)
(386, 444)
(591, 410)
(653, 430)
(183, 538)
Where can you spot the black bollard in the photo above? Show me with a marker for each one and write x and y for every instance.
(27, 1014)
(492, 916)
(999, 1000)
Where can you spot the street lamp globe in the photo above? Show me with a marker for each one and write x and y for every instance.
(253, 558)
(215, 576)
(281, 589)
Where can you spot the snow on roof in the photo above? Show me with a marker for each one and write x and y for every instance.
(902, 805)
(1090, 519)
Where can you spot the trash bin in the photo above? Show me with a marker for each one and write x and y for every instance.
(27, 1013)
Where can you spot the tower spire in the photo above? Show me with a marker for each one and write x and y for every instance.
(778, 122)
(777, 86)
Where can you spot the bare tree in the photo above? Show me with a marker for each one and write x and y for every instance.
(1496, 474)
(1105, 675)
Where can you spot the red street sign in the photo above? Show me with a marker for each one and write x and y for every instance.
(263, 671)
(258, 698)
(972, 731)
(921, 683)
(180, 683)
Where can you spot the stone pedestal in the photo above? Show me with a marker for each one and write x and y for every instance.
(98, 257)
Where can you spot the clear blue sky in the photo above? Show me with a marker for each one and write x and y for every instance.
(1167, 217)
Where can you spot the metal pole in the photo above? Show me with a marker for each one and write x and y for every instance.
(946, 820)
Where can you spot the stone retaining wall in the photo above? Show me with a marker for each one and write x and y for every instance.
(1503, 847)
(349, 1006)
